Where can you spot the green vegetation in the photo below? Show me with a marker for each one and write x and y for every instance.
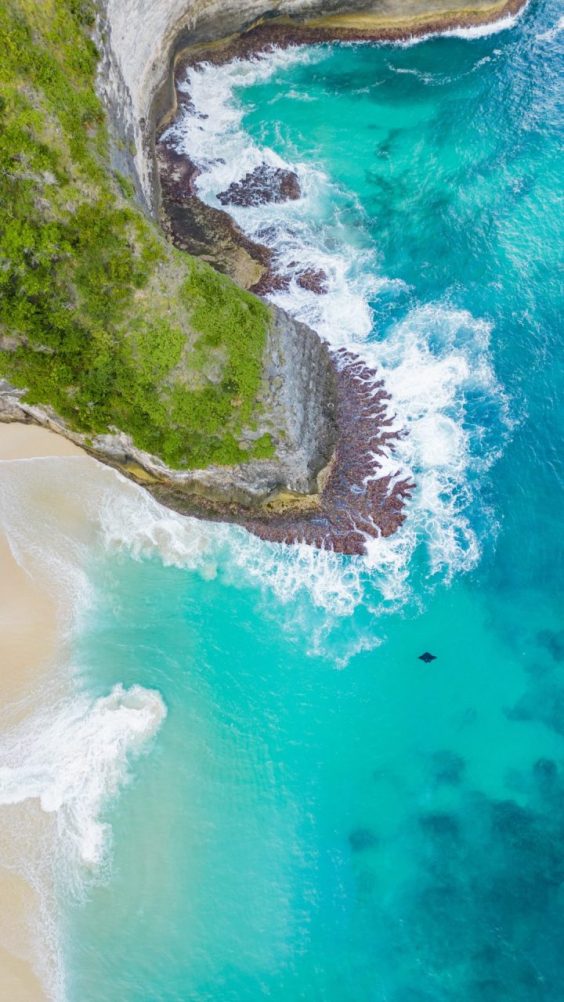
(99, 317)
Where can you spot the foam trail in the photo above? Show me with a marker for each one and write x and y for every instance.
(105, 509)
(68, 758)
(485, 30)
(552, 33)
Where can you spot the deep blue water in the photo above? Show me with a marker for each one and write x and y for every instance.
(321, 816)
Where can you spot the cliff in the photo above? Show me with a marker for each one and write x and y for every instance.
(143, 355)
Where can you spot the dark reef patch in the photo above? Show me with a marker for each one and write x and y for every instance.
(361, 839)
(552, 641)
(448, 768)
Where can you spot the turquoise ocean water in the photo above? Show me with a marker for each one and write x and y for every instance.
(320, 815)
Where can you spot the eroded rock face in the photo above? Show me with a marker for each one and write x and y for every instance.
(298, 410)
(203, 230)
(263, 185)
(338, 505)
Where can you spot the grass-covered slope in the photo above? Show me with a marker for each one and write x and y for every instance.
(99, 317)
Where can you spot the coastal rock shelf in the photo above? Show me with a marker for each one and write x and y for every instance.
(355, 503)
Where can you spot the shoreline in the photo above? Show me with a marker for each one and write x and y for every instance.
(29, 641)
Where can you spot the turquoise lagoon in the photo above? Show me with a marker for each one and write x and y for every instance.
(320, 815)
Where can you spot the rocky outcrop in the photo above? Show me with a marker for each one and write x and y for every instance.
(203, 230)
(262, 185)
(313, 280)
(326, 496)
(298, 411)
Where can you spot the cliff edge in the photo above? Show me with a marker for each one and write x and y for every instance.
(153, 362)
(141, 354)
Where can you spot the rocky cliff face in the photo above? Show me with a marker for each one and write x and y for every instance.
(140, 40)
(324, 416)
(298, 397)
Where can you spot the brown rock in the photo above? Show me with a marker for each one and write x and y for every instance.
(263, 185)
(313, 279)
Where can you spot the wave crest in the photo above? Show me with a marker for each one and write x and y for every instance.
(73, 758)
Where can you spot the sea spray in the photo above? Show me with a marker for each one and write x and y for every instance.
(435, 362)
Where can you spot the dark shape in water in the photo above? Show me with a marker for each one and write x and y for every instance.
(427, 658)
(553, 640)
(362, 838)
(545, 768)
(440, 825)
(448, 767)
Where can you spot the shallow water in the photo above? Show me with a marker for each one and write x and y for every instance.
(321, 815)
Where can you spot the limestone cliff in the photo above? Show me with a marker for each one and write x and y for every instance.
(298, 399)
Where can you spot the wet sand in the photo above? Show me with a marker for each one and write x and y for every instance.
(28, 642)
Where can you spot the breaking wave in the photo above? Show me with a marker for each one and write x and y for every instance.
(435, 362)
(73, 757)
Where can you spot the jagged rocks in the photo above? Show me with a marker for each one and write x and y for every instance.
(201, 229)
(262, 185)
(313, 280)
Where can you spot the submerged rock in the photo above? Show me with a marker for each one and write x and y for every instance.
(262, 185)
(362, 838)
(313, 279)
(448, 767)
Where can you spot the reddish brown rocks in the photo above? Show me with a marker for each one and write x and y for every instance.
(355, 504)
(313, 279)
(262, 185)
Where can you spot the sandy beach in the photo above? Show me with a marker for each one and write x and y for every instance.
(28, 642)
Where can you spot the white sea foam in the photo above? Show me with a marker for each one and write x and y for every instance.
(63, 763)
(437, 367)
(105, 509)
(435, 363)
(73, 757)
(297, 230)
(484, 30)
(469, 33)
(131, 521)
(551, 33)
